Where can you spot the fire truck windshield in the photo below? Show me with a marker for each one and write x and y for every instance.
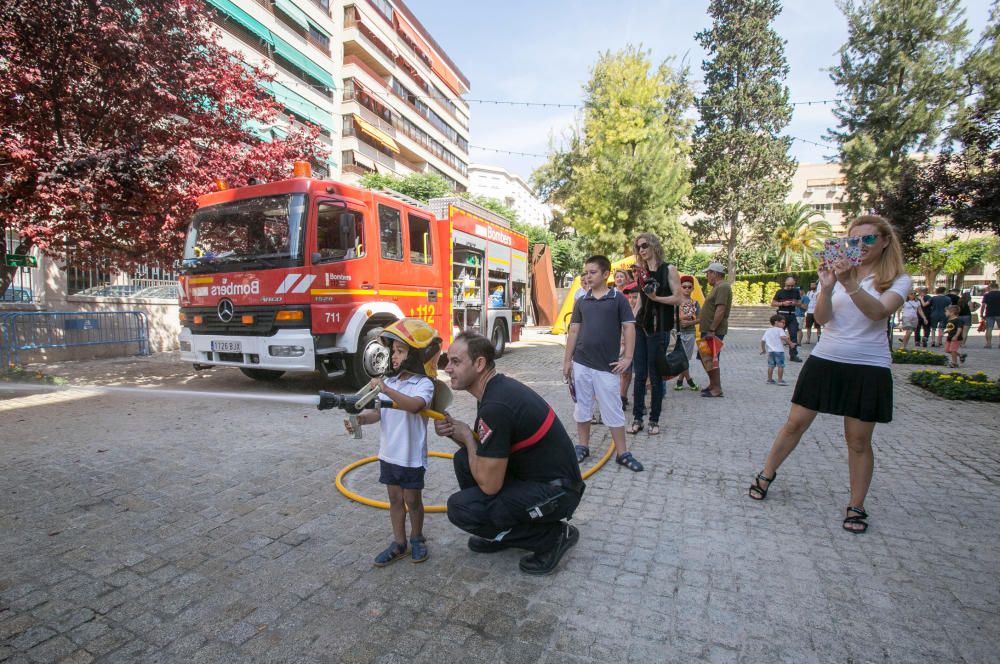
(255, 233)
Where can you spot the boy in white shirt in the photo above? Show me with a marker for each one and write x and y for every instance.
(773, 343)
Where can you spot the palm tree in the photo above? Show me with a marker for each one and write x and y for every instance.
(800, 233)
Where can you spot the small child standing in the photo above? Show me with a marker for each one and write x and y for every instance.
(773, 343)
(402, 448)
(595, 358)
(954, 332)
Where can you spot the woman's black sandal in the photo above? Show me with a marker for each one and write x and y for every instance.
(635, 427)
(758, 488)
(860, 518)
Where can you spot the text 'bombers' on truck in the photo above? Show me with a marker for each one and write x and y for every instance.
(302, 275)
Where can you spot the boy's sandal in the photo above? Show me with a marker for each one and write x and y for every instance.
(582, 452)
(653, 429)
(418, 549)
(394, 552)
(635, 427)
(758, 492)
(629, 462)
(860, 518)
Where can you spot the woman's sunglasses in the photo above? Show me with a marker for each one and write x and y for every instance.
(644, 245)
(869, 240)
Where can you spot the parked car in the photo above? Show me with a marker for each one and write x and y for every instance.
(16, 294)
(168, 292)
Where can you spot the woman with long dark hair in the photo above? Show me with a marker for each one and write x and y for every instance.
(659, 292)
(848, 372)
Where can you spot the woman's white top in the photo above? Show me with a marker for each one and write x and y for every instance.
(910, 309)
(850, 336)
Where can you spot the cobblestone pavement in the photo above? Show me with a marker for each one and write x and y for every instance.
(196, 529)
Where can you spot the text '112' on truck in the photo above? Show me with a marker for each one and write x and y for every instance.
(302, 275)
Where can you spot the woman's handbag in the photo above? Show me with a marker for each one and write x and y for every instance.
(673, 364)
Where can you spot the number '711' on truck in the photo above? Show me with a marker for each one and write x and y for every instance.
(302, 274)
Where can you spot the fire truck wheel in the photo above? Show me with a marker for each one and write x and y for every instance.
(266, 375)
(499, 337)
(371, 359)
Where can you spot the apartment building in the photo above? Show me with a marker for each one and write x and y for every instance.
(401, 109)
(823, 187)
(297, 41)
(511, 190)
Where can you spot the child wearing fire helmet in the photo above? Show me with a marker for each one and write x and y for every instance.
(414, 346)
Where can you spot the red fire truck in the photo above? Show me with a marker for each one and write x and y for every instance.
(302, 274)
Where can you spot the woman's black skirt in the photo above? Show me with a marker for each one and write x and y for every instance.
(852, 390)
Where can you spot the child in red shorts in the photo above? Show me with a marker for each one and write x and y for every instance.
(954, 331)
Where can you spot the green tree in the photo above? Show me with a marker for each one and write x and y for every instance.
(966, 254)
(930, 259)
(421, 186)
(742, 169)
(967, 182)
(800, 233)
(425, 186)
(899, 82)
(624, 170)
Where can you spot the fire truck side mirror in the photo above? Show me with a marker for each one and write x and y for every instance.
(316, 257)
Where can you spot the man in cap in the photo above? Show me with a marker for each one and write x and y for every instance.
(715, 319)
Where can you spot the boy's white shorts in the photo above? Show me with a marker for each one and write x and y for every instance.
(605, 386)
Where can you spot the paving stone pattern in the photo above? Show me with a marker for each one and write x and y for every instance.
(141, 529)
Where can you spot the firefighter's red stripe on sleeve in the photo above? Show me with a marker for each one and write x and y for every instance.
(537, 436)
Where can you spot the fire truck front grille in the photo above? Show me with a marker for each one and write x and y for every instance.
(263, 324)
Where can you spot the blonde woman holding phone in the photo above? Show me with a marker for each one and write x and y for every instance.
(848, 374)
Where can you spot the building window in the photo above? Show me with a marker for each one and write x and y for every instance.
(420, 239)
(384, 8)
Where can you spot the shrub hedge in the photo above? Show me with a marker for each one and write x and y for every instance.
(900, 356)
(958, 386)
(760, 288)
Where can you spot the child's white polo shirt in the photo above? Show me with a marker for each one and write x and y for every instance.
(403, 435)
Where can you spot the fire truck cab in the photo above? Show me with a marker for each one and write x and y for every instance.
(302, 275)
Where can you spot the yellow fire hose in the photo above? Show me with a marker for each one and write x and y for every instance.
(339, 479)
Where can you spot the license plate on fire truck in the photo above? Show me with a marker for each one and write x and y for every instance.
(227, 347)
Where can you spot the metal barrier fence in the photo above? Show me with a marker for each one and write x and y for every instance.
(22, 331)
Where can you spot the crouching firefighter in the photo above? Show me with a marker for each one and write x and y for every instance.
(520, 481)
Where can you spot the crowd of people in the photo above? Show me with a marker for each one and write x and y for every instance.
(518, 469)
(849, 308)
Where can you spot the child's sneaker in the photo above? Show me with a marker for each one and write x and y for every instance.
(693, 386)
(782, 382)
(770, 381)
(679, 386)
(962, 357)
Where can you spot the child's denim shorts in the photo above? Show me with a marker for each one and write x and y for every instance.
(775, 359)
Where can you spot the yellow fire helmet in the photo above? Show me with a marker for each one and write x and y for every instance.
(424, 343)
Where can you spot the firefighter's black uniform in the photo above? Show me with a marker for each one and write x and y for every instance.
(542, 485)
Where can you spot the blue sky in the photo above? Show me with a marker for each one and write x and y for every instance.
(542, 51)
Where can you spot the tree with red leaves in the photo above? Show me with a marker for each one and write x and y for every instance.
(116, 115)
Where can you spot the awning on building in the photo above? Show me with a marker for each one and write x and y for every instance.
(293, 12)
(297, 58)
(244, 19)
(376, 133)
(300, 105)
